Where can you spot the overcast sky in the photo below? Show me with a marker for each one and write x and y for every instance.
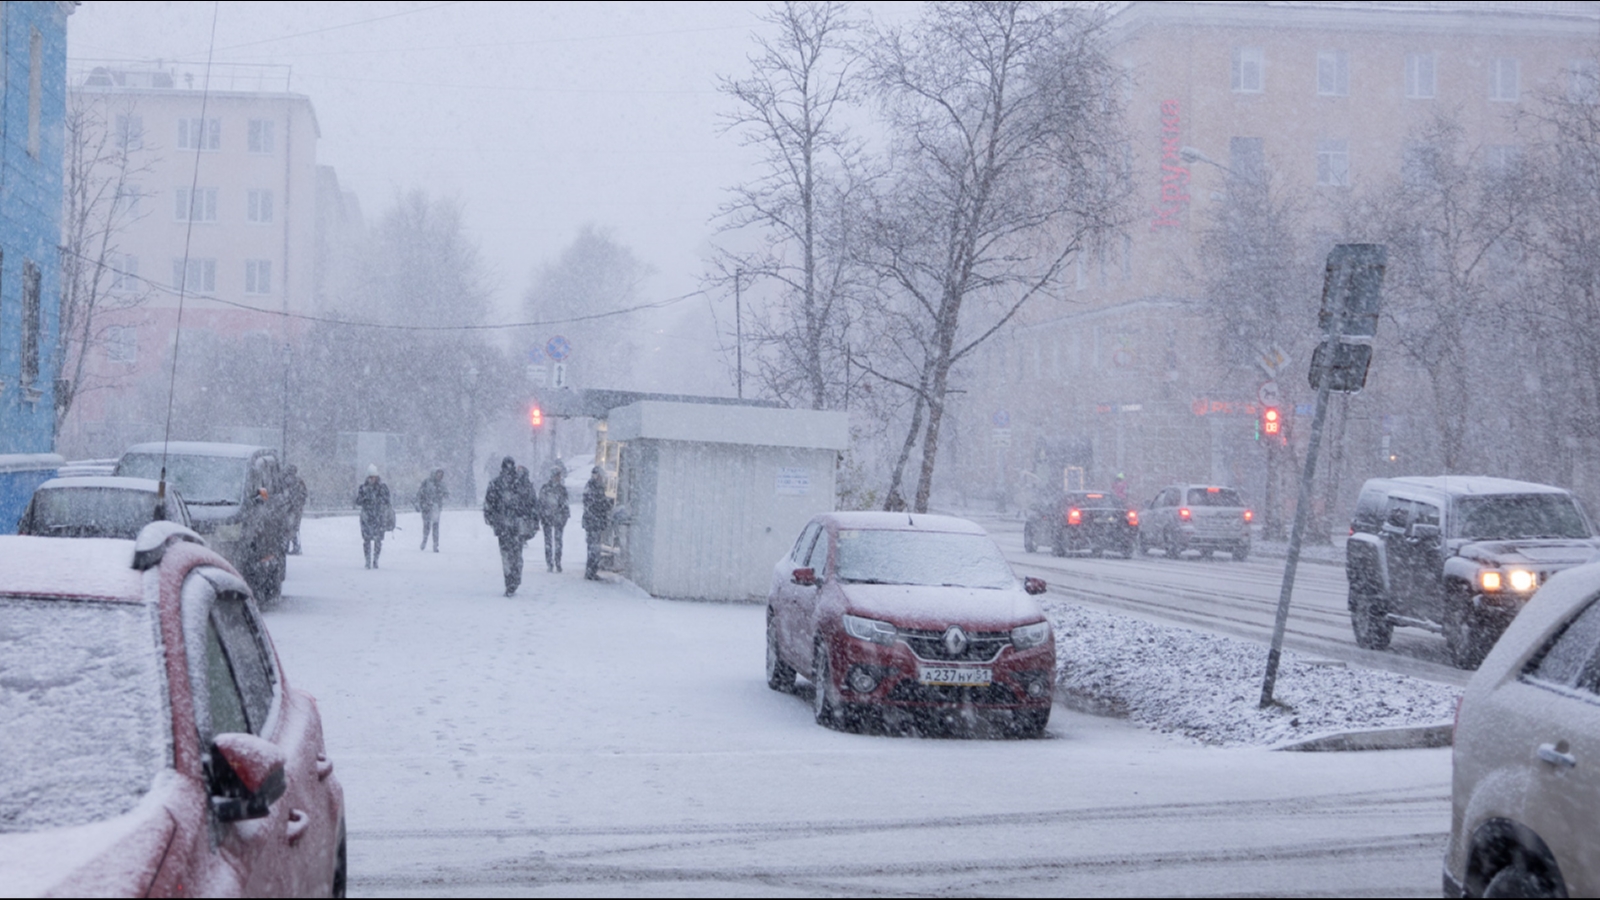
(538, 117)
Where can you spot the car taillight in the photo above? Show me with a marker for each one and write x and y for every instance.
(1074, 516)
(1133, 518)
(1184, 513)
(1249, 516)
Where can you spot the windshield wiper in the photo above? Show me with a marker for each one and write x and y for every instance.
(211, 502)
(863, 580)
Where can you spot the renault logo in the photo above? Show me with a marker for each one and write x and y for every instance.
(955, 640)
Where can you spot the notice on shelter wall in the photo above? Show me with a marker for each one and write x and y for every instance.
(793, 482)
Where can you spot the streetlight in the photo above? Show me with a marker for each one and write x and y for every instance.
(472, 431)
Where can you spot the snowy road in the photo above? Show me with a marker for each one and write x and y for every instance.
(586, 739)
(1235, 598)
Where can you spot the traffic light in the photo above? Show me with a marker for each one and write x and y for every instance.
(536, 416)
(1271, 421)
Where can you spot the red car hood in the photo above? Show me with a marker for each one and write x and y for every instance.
(115, 857)
(917, 606)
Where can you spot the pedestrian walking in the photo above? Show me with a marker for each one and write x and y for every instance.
(596, 518)
(377, 515)
(507, 507)
(294, 490)
(430, 502)
(554, 510)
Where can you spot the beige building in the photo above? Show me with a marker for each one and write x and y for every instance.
(1122, 374)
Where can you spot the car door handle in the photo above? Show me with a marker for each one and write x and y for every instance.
(324, 767)
(1554, 757)
(298, 822)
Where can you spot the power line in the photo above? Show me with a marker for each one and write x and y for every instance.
(298, 34)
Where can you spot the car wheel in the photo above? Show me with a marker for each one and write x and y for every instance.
(1029, 542)
(1130, 548)
(1169, 543)
(1464, 635)
(1140, 547)
(1206, 554)
(1516, 880)
(1368, 620)
(1030, 723)
(822, 705)
(1241, 553)
(341, 868)
(780, 675)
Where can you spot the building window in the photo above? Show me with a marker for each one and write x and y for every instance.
(1247, 159)
(1420, 80)
(258, 276)
(124, 272)
(202, 276)
(260, 136)
(198, 134)
(1333, 163)
(1583, 81)
(130, 132)
(31, 324)
(1505, 79)
(198, 206)
(122, 344)
(258, 206)
(1333, 73)
(35, 96)
(1247, 67)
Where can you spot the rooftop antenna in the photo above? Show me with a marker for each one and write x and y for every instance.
(188, 234)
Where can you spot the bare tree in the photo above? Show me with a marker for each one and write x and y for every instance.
(594, 275)
(104, 158)
(1007, 159)
(801, 83)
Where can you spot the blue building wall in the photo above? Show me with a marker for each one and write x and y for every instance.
(30, 232)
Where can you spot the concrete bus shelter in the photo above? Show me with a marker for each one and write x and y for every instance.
(713, 495)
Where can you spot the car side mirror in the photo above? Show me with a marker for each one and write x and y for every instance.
(1034, 585)
(246, 775)
(805, 577)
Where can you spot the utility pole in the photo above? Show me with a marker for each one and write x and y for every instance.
(738, 326)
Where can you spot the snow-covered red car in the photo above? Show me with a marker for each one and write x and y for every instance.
(151, 744)
(914, 612)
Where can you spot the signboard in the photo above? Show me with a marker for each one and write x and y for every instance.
(558, 375)
(535, 356)
(1348, 372)
(558, 348)
(1269, 395)
(538, 375)
(1001, 419)
(1000, 437)
(793, 482)
(1273, 361)
(1352, 287)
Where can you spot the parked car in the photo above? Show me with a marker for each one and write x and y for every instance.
(1527, 740)
(152, 744)
(1082, 521)
(232, 491)
(909, 612)
(1456, 555)
(100, 506)
(1204, 517)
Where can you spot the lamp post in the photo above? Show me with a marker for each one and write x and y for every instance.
(472, 432)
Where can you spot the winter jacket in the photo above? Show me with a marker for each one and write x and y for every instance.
(377, 513)
(596, 505)
(508, 506)
(554, 507)
(431, 495)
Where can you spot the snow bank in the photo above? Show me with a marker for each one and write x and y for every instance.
(1206, 686)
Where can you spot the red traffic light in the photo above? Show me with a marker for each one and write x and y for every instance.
(536, 417)
(1271, 421)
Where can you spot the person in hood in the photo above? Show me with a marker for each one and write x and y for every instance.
(554, 510)
(596, 518)
(294, 489)
(430, 502)
(377, 515)
(507, 507)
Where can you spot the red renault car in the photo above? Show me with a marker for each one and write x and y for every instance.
(151, 745)
(911, 612)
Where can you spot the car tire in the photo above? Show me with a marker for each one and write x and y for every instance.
(1059, 546)
(780, 675)
(1207, 554)
(1516, 880)
(1131, 548)
(1030, 543)
(1241, 553)
(1371, 624)
(1169, 544)
(1030, 723)
(1464, 636)
(823, 708)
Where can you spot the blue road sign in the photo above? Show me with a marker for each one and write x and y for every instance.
(1001, 419)
(535, 356)
(559, 348)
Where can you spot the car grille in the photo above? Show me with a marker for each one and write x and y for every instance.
(909, 691)
(982, 646)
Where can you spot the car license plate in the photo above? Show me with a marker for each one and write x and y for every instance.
(965, 676)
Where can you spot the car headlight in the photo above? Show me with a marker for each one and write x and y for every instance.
(1522, 580)
(870, 630)
(1025, 637)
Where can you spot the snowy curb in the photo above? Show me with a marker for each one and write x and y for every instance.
(1414, 737)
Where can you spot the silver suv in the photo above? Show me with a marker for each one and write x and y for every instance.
(1203, 517)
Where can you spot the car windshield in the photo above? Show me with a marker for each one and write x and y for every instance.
(83, 722)
(92, 512)
(922, 557)
(1214, 497)
(1511, 516)
(203, 480)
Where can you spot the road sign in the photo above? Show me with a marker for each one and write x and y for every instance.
(538, 375)
(1273, 361)
(1347, 372)
(535, 356)
(1268, 394)
(1000, 437)
(1001, 419)
(558, 375)
(1352, 287)
(558, 348)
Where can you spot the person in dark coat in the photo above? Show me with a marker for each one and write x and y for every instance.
(507, 507)
(377, 515)
(554, 510)
(294, 490)
(430, 502)
(596, 517)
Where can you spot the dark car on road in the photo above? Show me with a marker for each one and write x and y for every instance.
(100, 506)
(1082, 522)
(234, 497)
(1457, 555)
(1205, 517)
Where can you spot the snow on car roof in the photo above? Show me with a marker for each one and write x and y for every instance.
(68, 567)
(195, 448)
(116, 482)
(899, 521)
(1476, 484)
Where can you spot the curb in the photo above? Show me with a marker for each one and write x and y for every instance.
(1407, 737)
